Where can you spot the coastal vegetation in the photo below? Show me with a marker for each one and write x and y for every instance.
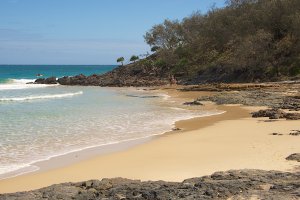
(247, 41)
(121, 60)
(134, 58)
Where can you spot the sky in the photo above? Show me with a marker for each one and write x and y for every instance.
(84, 31)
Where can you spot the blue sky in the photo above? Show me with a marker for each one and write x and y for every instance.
(83, 31)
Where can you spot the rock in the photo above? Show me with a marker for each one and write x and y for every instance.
(276, 134)
(64, 80)
(130, 75)
(276, 114)
(233, 184)
(193, 103)
(176, 129)
(50, 80)
(292, 116)
(295, 156)
(291, 102)
(120, 196)
(271, 113)
(39, 81)
(295, 133)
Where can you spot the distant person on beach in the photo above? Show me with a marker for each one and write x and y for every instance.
(173, 80)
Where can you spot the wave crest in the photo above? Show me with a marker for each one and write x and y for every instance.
(17, 84)
(49, 96)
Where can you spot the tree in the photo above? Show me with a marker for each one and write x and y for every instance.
(134, 58)
(121, 60)
(167, 35)
(155, 48)
(247, 40)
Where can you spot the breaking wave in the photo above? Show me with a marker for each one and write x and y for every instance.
(49, 96)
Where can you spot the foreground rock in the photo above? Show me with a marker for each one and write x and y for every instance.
(237, 184)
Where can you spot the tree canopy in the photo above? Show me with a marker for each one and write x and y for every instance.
(248, 40)
(134, 58)
(121, 60)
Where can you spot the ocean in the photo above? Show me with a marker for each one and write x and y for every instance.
(38, 122)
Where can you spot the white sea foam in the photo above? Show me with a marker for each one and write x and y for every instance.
(16, 170)
(17, 84)
(40, 133)
(49, 96)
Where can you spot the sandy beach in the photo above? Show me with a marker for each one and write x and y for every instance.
(232, 140)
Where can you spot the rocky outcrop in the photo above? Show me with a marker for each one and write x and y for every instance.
(130, 75)
(219, 87)
(271, 113)
(238, 184)
(276, 114)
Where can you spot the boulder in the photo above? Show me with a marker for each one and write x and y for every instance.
(64, 80)
(295, 157)
(39, 81)
(51, 80)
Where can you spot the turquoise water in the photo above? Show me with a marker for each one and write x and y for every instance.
(38, 122)
(30, 71)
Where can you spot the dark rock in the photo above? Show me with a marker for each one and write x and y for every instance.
(276, 134)
(50, 80)
(295, 133)
(39, 81)
(291, 103)
(64, 80)
(234, 184)
(176, 129)
(271, 113)
(193, 103)
(295, 156)
(276, 114)
(292, 116)
(130, 75)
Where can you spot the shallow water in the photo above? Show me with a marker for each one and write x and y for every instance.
(38, 122)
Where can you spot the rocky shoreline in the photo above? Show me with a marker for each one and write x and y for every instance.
(282, 99)
(234, 184)
(122, 76)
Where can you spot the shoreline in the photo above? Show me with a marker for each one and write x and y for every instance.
(79, 155)
(93, 168)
